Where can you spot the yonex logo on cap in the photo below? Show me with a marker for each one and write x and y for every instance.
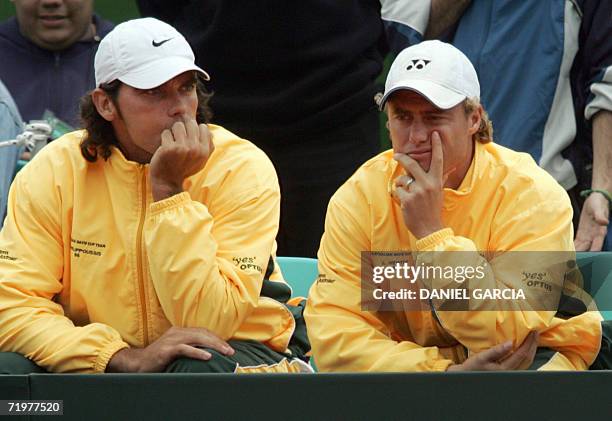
(435, 70)
(418, 64)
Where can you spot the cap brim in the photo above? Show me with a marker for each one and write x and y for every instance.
(159, 72)
(440, 96)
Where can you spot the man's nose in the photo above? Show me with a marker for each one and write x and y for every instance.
(418, 132)
(51, 3)
(178, 106)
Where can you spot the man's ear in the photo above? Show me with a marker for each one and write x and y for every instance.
(475, 119)
(104, 104)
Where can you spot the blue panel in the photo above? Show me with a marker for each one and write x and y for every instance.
(401, 36)
(517, 48)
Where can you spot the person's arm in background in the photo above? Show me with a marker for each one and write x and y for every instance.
(443, 15)
(408, 23)
(594, 217)
(596, 41)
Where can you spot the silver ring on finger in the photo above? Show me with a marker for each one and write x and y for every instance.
(409, 182)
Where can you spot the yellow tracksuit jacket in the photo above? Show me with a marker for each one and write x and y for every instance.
(90, 265)
(506, 202)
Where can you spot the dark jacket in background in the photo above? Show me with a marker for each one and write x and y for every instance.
(280, 68)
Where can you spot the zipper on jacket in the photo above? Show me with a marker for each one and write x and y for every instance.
(139, 265)
(56, 99)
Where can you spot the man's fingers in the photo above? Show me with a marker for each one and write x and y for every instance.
(402, 195)
(601, 216)
(496, 353)
(534, 344)
(192, 130)
(436, 168)
(599, 236)
(523, 353)
(403, 181)
(179, 131)
(204, 338)
(580, 242)
(410, 166)
(189, 351)
(205, 138)
(166, 138)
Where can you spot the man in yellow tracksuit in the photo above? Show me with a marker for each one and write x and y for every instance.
(145, 242)
(444, 188)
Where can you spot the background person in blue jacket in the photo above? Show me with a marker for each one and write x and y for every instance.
(545, 67)
(47, 53)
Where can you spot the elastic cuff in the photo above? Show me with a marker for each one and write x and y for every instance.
(434, 239)
(442, 365)
(106, 354)
(170, 203)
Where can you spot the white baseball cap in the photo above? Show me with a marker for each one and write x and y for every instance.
(143, 53)
(436, 70)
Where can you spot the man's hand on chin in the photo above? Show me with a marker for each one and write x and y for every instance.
(184, 150)
(421, 195)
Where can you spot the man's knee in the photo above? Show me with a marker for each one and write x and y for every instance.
(218, 363)
(13, 363)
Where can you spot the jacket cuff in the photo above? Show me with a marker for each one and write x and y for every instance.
(106, 354)
(434, 239)
(170, 203)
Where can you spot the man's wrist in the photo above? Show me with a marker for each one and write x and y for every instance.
(423, 232)
(125, 360)
(605, 193)
(162, 190)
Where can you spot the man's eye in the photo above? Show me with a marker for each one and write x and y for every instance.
(190, 87)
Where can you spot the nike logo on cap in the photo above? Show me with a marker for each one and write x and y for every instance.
(157, 44)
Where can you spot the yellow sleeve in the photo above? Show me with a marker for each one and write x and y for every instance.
(537, 240)
(31, 269)
(208, 269)
(343, 336)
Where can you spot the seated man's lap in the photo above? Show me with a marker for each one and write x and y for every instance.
(249, 357)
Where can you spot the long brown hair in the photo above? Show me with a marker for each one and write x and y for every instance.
(100, 136)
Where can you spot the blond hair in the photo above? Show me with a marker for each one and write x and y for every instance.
(485, 131)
